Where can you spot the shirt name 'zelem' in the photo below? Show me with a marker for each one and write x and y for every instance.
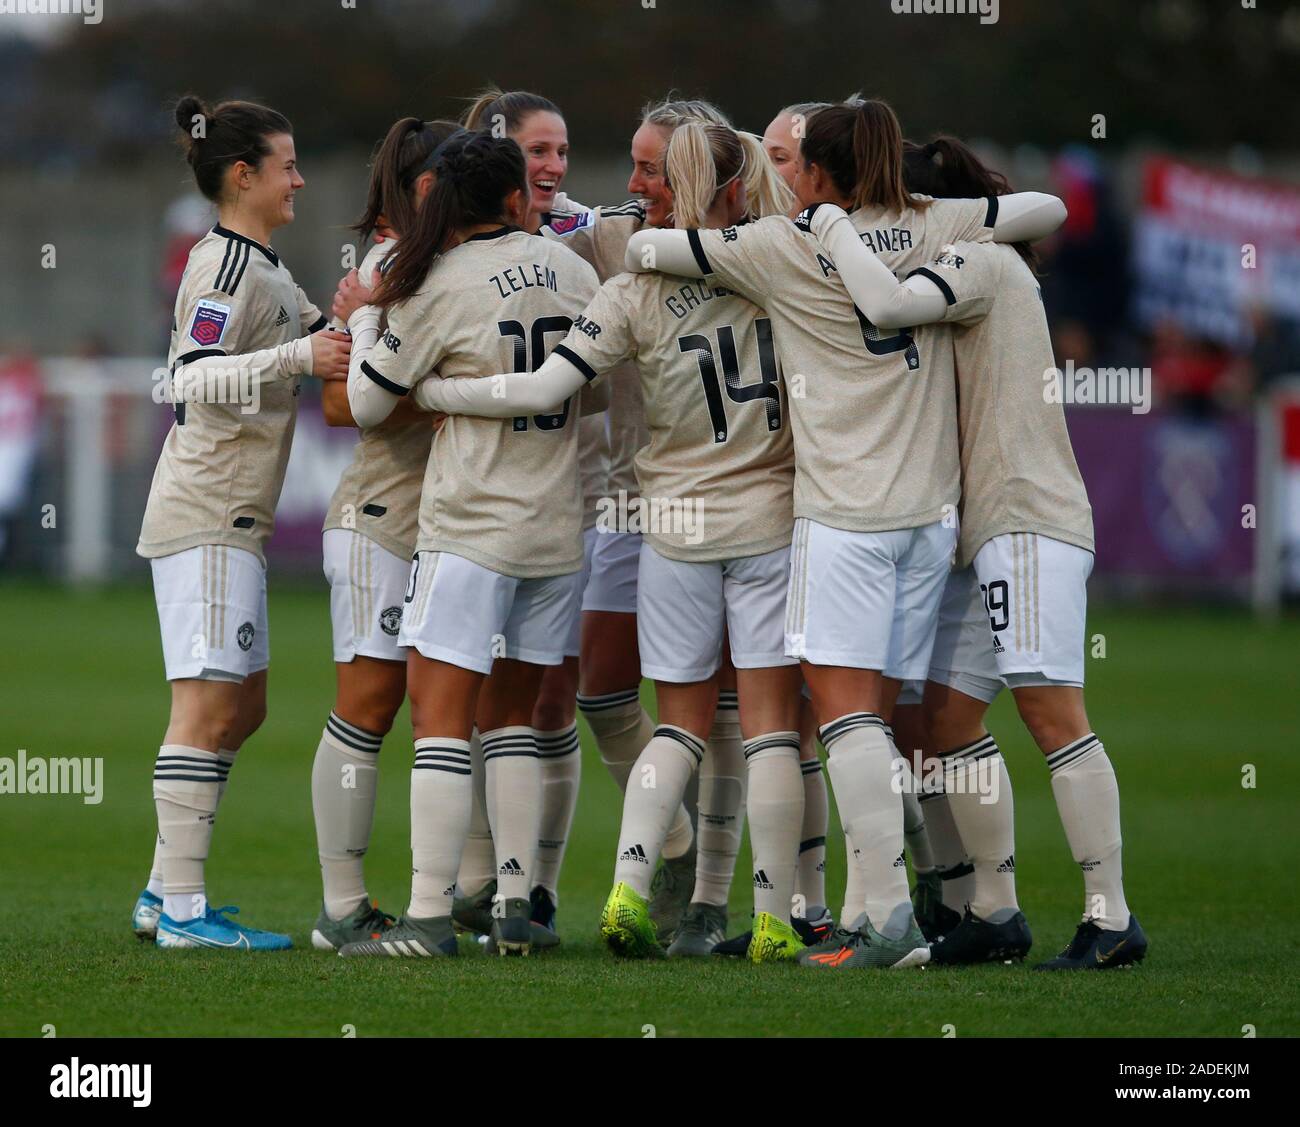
(526, 276)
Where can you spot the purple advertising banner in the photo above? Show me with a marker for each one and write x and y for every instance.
(1168, 492)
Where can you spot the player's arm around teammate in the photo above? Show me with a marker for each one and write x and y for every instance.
(368, 540)
(737, 476)
(236, 356)
(1014, 611)
(871, 545)
(493, 586)
(537, 125)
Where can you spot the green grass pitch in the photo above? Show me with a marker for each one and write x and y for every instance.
(1183, 700)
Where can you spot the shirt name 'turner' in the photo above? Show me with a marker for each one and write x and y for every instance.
(527, 276)
(885, 240)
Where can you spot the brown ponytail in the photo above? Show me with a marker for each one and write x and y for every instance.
(214, 139)
(402, 156)
(948, 168)
(860, 146)
(473, 175)
(503, 112)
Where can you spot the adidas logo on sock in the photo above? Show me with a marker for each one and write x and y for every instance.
(761, 881)
(283, 318)
(634, 853)
(1088, 866)
(1008, 866)
(511, 868)
(449, 891)
(901, 863)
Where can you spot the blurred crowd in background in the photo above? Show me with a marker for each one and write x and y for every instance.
(1181, 254)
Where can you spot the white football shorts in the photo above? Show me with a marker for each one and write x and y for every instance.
(684, 607)
(963, 645)
(867, 600)
(573, 647)
(465, 614)
(212, 613)
(1036, 595)
(367, 588)
(611, 585)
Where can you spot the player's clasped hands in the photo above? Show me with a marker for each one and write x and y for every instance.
(350, 296)
(330, 351)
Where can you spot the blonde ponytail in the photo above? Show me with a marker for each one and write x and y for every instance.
(692, 172)
(765, 190)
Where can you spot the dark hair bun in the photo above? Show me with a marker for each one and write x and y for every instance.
(186, 108)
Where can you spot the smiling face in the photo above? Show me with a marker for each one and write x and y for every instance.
(781, 146)
(649, 144)
(545, 141)
(266, 192)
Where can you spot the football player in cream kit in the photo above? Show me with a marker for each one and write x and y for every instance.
(610, 682)
(495, 579)
(368, 541)
(239, 347)
(1014, 610)
(536, 124)
(718, 444)
(873, 537)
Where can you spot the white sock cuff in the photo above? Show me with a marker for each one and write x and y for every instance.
(849, 722)
(1072, 754)
(555, 745)
(442, 753)
(513, 741)
(227, 758)
(623, 702)
(983, 748)
(772, 744)
(349, 738)
(726, 718)
(810, 767)
(693, 745)
(178, 763)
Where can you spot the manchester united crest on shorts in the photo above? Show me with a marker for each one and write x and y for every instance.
(244, 636)
(390, 621)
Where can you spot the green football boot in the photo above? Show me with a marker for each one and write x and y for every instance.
(773, 940)
(431, 938)
(703, 927)
(366, 921)
(626, 925)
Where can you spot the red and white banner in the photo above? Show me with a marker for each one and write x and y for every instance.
(1211, 246)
